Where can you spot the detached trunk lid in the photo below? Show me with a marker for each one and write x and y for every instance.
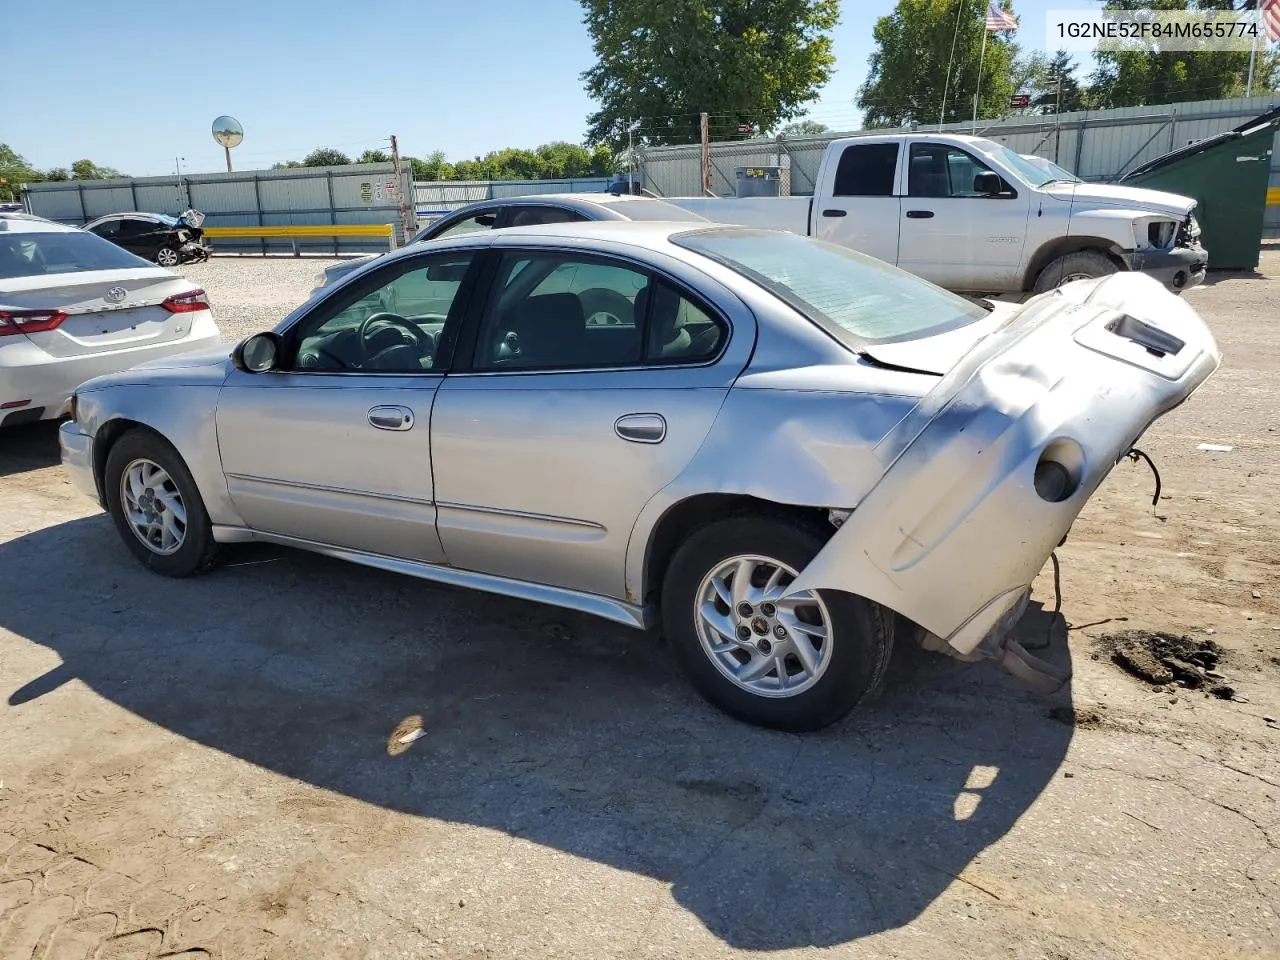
(106, 309)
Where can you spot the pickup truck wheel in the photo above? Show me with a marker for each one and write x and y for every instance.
(156, 506)
(794, 663)
(1081, 265)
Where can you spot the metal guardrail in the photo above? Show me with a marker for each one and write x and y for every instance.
(294, 233)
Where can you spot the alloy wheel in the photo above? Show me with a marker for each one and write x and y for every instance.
(768, 645)
(153, 506)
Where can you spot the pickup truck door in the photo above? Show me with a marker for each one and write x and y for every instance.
(954, 235)
(858, 206)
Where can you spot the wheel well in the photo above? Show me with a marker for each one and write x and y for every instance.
(1061, 246)
(106, 437)
(683, 518)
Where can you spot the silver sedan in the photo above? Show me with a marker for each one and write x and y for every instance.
(785, 454)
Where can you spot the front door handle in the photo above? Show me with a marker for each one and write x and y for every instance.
(834, 213)
(919, 214)
(391, 418)
(641, 427)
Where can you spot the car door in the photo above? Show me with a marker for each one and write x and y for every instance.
(951, 233)
(138, 237)
(335, 447)
(592, 381)
(861, 210)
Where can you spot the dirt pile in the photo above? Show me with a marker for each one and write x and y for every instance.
(1164, 658)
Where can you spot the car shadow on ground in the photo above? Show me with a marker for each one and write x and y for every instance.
(31, 446)
(554, 727)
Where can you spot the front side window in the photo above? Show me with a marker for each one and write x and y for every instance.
(867, 170)
(938, 170)
(397, 326)
(522, 216)
(856, 298)
(557, 310)
(481, 221)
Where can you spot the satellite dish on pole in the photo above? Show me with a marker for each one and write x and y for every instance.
(228, 132)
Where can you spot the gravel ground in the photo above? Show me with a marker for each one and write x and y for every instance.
(251, 294)
(211, 767)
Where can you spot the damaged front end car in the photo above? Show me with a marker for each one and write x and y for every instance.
(985, 476)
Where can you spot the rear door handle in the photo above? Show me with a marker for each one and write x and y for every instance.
(834, 213)
(391, 418)
(919, 214)
(641, 427)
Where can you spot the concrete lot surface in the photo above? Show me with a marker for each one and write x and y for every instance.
(212, 767)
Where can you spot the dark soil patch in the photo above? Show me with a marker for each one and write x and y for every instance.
(1084, 718)
(1161, 658)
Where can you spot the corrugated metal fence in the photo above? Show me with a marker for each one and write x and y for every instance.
(434, 198)
(317, 196)
(1098, 145)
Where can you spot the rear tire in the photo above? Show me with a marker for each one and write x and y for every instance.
(168, 257)
(1081, 265)
(157, 507)
(849, 639)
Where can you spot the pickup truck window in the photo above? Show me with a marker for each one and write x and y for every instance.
(866, 170)
(939, 170)
(855, 298)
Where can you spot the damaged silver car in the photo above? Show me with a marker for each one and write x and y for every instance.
(783, 453)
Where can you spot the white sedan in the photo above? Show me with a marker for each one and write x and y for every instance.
(74, 306)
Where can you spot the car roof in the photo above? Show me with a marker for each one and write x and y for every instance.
(574, 201)
(26, 223)
(128, 214)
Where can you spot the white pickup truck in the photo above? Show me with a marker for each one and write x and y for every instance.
(974, 216)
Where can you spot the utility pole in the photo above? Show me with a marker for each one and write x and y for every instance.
(177, 165)
(409, 225)
(705, 134)
(1057, 117)
(228, 150)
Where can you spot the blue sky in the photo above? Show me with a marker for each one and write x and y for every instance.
(133, 85)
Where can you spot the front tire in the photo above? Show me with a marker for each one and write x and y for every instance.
(156, 506)
(1081, 265)
(167, 257)
(797, 663)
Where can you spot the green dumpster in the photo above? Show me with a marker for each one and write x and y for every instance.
(1227, 175)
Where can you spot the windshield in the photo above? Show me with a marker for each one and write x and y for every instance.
(1037, 171)
(857, 299)
(36, 254)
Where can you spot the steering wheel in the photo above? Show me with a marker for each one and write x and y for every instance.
(394, 320)
(606, 308)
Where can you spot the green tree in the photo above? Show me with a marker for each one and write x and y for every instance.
(907, 72)
(287, 165)
(326, 157)
(14, 172)
(804, 128)
(659, 63)
(1046, 99)
(374, 156)
(88, 170)
(57, 173)
(1146, 75)
(434, 167)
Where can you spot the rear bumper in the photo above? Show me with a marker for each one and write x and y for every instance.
(955, 531)
(47, 382)
(77, 458)
(1176, 269)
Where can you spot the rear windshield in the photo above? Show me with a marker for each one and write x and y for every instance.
(654, 210)
(858, 299)
(36, 254)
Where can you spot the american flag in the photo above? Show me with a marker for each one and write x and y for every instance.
(999, 18)
(1269, 14)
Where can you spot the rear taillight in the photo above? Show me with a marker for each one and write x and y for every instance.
(187, 302)
(13, 322)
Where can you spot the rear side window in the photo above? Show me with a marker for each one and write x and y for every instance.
(533, 216)
(866, 170)
(36, 254)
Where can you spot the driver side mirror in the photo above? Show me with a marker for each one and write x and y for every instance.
(258, 353)
(988, 183)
